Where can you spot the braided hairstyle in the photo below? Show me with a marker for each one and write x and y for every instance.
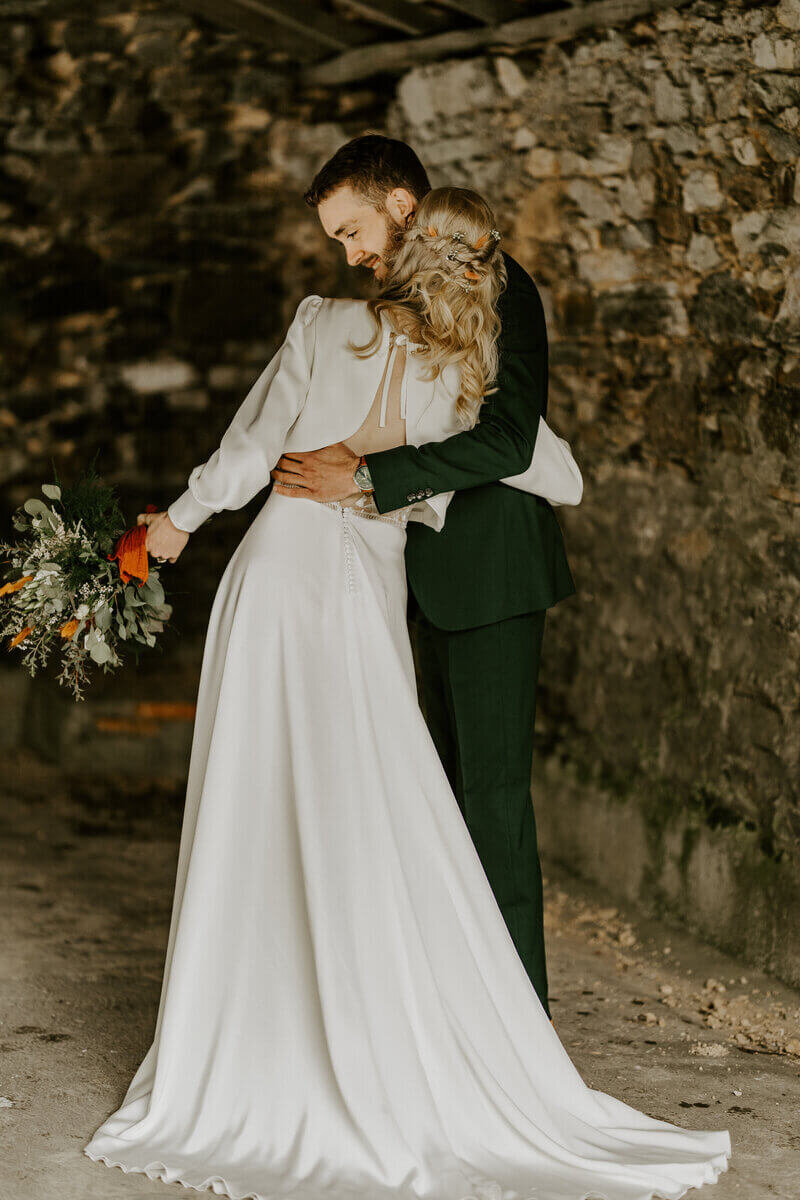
(442, 291)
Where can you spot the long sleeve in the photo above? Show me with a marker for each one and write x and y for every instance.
(502, 443)
(253, 442)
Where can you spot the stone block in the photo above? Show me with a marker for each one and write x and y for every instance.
(164, 375)
(298, 150)
(781, 146)
(595, 202)
(470, 146)
(771, 92)
(452, 89)
(702, 254)
(788, 14)
(669, 102)
(510, 78)
(539, 216)
(787, 319)
(746, 230)
(782, 229)
(744, 151)
(613, 155)
(608, 268)
(728, 95)
(636, 195)
(701, 192)
(541, 162)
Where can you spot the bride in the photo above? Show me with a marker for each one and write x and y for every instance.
(343, 1014)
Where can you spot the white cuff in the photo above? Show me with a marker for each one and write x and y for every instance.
(187, 513)
(432, 511)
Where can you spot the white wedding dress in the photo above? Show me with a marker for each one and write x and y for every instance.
(343, 1013)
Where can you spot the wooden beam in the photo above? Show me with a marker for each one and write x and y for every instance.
(264, 30)
(412, 19)
(395, 57)
(306, 18)
(488, 12)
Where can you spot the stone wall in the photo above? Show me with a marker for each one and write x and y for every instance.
(156, 244)
(649, 181)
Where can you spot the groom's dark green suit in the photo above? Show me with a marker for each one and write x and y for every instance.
(478, 592)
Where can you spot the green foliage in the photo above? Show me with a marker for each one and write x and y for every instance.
(94, 504)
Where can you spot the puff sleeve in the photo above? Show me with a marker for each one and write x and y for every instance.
(254, 440)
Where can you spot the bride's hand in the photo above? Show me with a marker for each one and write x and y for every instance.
(164, 540)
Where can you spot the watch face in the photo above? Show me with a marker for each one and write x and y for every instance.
(362, 478)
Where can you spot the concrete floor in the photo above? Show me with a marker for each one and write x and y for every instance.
(646, 1012)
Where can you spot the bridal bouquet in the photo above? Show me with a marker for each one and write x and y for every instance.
(79, 581)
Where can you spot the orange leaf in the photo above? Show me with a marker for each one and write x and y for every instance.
(23, 633)
(131, 550)
(69, 628)
(471, 275)
(15, 586)
(481, 241)
(431, 231)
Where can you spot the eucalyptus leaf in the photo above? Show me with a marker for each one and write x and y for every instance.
(36, 507)
(100, 652)
(102, 617)
(52, 491)
(153, 592)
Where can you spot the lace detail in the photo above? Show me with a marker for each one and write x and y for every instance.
(364, 506)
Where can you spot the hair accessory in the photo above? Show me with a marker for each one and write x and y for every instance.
(470, 274)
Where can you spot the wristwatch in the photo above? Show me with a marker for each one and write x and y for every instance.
(362, 477)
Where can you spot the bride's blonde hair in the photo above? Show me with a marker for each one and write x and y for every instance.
(442, 291)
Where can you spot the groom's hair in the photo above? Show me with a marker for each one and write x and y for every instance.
(373, 166)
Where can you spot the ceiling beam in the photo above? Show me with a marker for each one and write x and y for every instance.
(306, 18)
(488, 12)
(396, 57)
(413, 19)
(263, 29)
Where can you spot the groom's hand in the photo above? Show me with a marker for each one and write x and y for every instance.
(325, 474)
(164, 540)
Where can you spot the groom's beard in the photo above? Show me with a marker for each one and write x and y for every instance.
(394, 240)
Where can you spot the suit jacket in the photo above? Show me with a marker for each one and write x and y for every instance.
(314, 392)
(501, 552)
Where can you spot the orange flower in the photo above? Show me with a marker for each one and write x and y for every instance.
(15, 586)
(69, 628)
(23, 633)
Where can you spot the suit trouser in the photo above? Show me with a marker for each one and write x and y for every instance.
(478, 695)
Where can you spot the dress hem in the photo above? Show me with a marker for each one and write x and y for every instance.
(160, 1171)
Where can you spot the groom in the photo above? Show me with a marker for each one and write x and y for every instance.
(479, 589)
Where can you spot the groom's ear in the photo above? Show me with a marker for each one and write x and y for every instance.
(401, 206)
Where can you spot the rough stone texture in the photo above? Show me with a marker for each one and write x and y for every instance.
(653, 198)
(155, 243)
